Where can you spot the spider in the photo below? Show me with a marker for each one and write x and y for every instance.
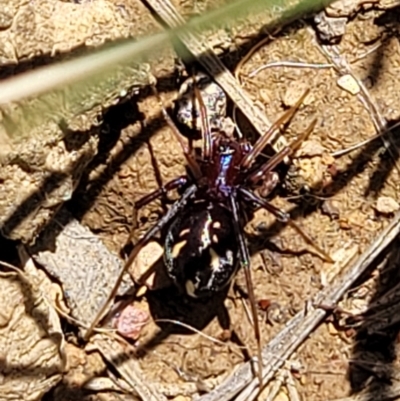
(205, 243)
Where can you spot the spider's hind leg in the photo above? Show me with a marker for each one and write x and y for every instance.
(245, 263)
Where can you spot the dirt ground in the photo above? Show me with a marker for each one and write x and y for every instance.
(336, 199)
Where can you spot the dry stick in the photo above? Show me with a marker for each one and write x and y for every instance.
(300, 326)
(197, 46)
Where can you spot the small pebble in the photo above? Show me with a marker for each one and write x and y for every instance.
(311, 148)
(264, 304)
(145, 259)
(330, 207)
(349, 84)
(387, 205)
(130, 321)
(294, 93)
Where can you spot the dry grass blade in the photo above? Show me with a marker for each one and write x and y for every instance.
(300, 326)
(64, 90)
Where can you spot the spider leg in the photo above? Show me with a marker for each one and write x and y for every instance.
(173, 211)
(263, 141)
(205, 126)
(245, 263)
(176, 183)
(163, 190)
(192, 163)
(285, 218)
(278, 157)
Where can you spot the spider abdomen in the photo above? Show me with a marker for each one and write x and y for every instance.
(201, 249)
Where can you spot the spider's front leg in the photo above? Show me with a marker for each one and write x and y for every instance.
(249, 159)
(176, 183)
(264, 170)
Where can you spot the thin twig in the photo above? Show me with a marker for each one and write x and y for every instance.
(363, 143)
(302, 64)
(194, 330)
(293, 64)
